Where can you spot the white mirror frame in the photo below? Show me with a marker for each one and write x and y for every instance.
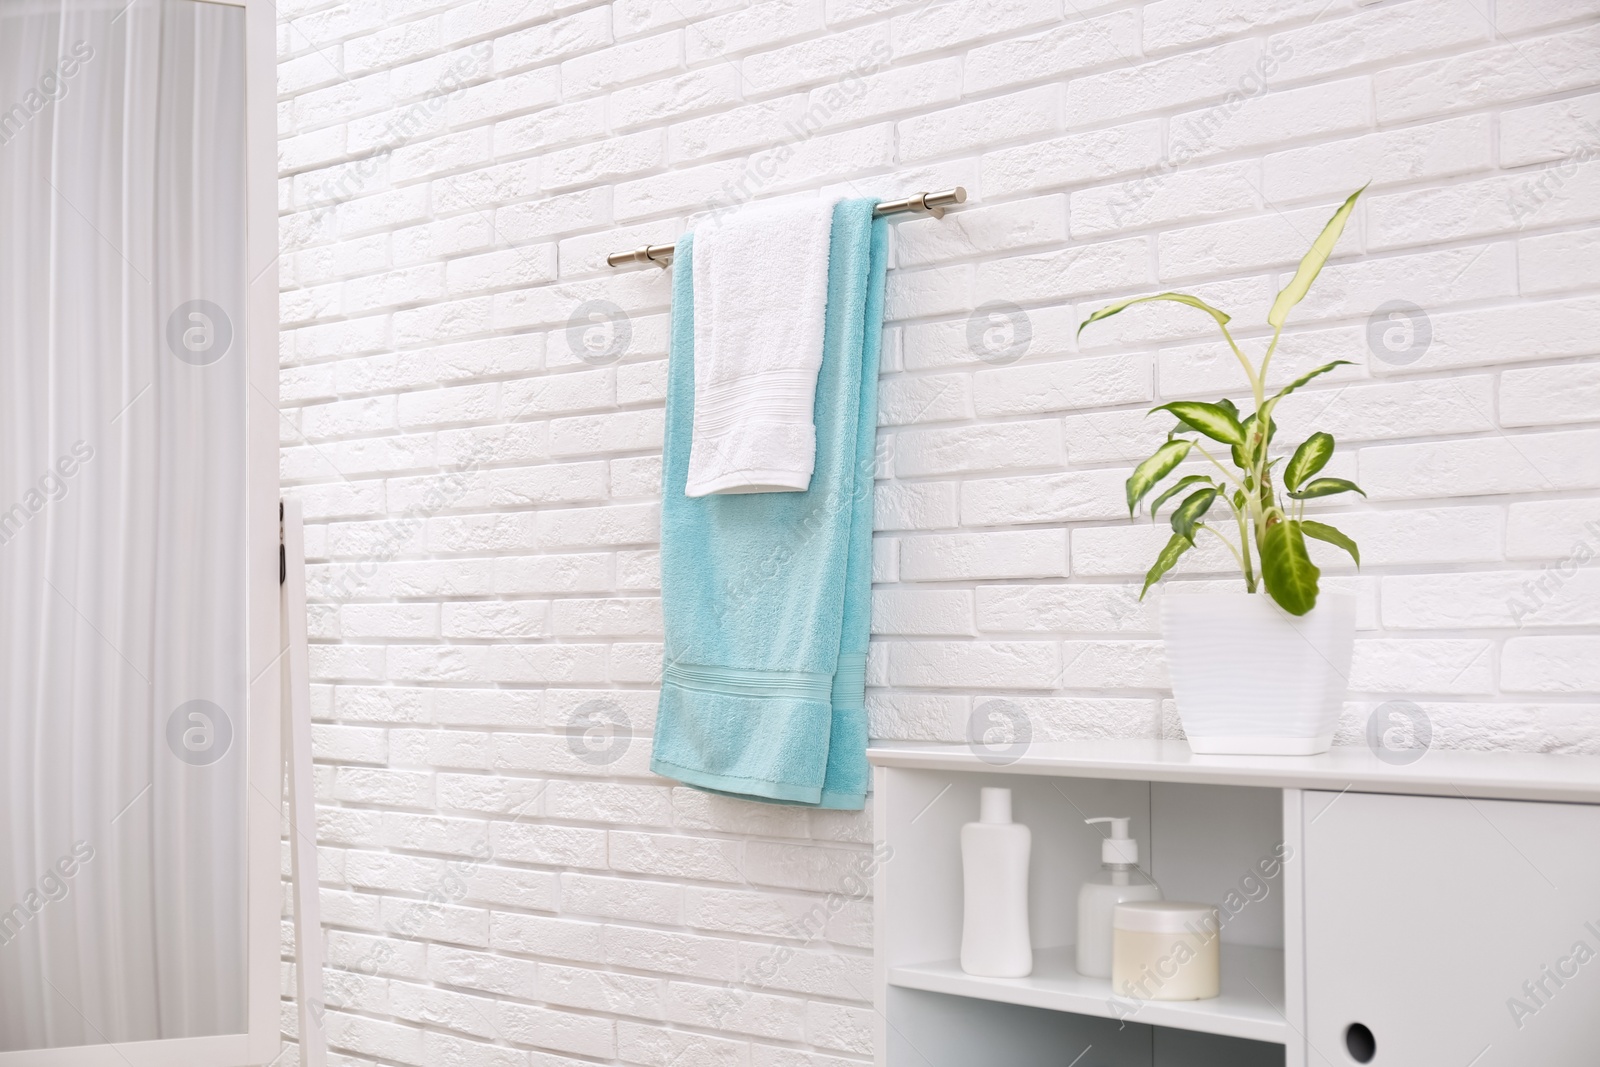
(264, 643)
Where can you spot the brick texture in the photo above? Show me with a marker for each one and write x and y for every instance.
(472, 413)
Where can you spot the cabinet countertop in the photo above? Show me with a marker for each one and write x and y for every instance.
(1502, 775)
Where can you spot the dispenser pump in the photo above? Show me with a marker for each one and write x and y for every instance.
(1119, 848)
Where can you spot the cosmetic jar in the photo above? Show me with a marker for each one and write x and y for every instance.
(1166, 950)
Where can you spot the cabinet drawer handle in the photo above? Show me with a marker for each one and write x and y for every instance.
(1360, 1043)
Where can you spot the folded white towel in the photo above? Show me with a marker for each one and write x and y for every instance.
(760, 295)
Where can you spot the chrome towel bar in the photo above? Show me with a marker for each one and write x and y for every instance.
(922, 204)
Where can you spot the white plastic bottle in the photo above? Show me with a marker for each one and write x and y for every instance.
(1120, 880)
(994, 862)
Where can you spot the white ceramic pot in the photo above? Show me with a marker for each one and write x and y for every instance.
(1252, 679)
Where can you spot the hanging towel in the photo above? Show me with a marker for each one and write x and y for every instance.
(766, 596)
(760, 290)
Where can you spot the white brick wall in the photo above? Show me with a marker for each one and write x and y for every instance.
(477, 441)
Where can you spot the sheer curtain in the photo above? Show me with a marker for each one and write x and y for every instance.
(122, 398)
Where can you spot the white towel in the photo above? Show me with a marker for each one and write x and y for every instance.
(760, 295)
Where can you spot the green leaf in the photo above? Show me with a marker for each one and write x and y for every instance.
(1286, 567)
(1229, 406)
(1326, 487)
(1152, 470)
(1175, 547)
(1182, 484)
(1213, 420)
(1311, 264)
(1312, 455)
(1323, 532)
(1240, 459)
(1188, 515)
(1182, 298)
(1298, 382)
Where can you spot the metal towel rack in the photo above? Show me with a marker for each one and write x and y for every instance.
(922, 204)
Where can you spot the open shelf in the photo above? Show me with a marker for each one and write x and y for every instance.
(1251, 1004)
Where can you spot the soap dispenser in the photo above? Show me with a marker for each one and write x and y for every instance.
(994, 863)
(1120, 880)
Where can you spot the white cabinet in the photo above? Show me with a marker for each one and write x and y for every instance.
(1457, 931)
(1450, 907)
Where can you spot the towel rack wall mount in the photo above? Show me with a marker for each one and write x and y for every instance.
(922, 204)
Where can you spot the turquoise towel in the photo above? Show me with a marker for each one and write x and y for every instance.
(767, 596)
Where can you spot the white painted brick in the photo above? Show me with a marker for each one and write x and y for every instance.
(1397, 409)
(1551, 665)
(1546, 395)
(940, 290)
(1512, 16)
(1126, 551)
(563, 939)
(1502, 464)
(1564, 193)
(741, 128)
(1502, 74)
(1465, 275)
(915, 506)
(1050, 331)
(1559, 261)
(1563, 593)
(1080, 270)
(611, 158)
(1552, 529)
(1269, 118)
(975, 665)
(1418, 665)
(1175, 23)
(1065, 608)
(1042, 220)
(1546, 132)
(1168, 197)
(855, 52)
(586, 1035)
(625, 62)
(745, 29)
(1436, 150)
(924, 398)
(1073, 159)
(504, 96)
(975, 126)
(1065, 497)
(1508, 334)
(965, 22)
(579, 987)
(1164, 321)
(1210, 73)
(992, 447)
(1187, 370)
(1378, 34)
(641, 16)
(1081, 44)
(902, 90)
(1273, 240)
(640, 1043)
(923, 612)
(483, 502)
(840, 1026)
(552, 40)
(685, 94)
(956, 557)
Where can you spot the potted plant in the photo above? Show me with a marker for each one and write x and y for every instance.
(1262, 671)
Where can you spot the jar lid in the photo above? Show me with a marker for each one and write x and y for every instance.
(1166, 917)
